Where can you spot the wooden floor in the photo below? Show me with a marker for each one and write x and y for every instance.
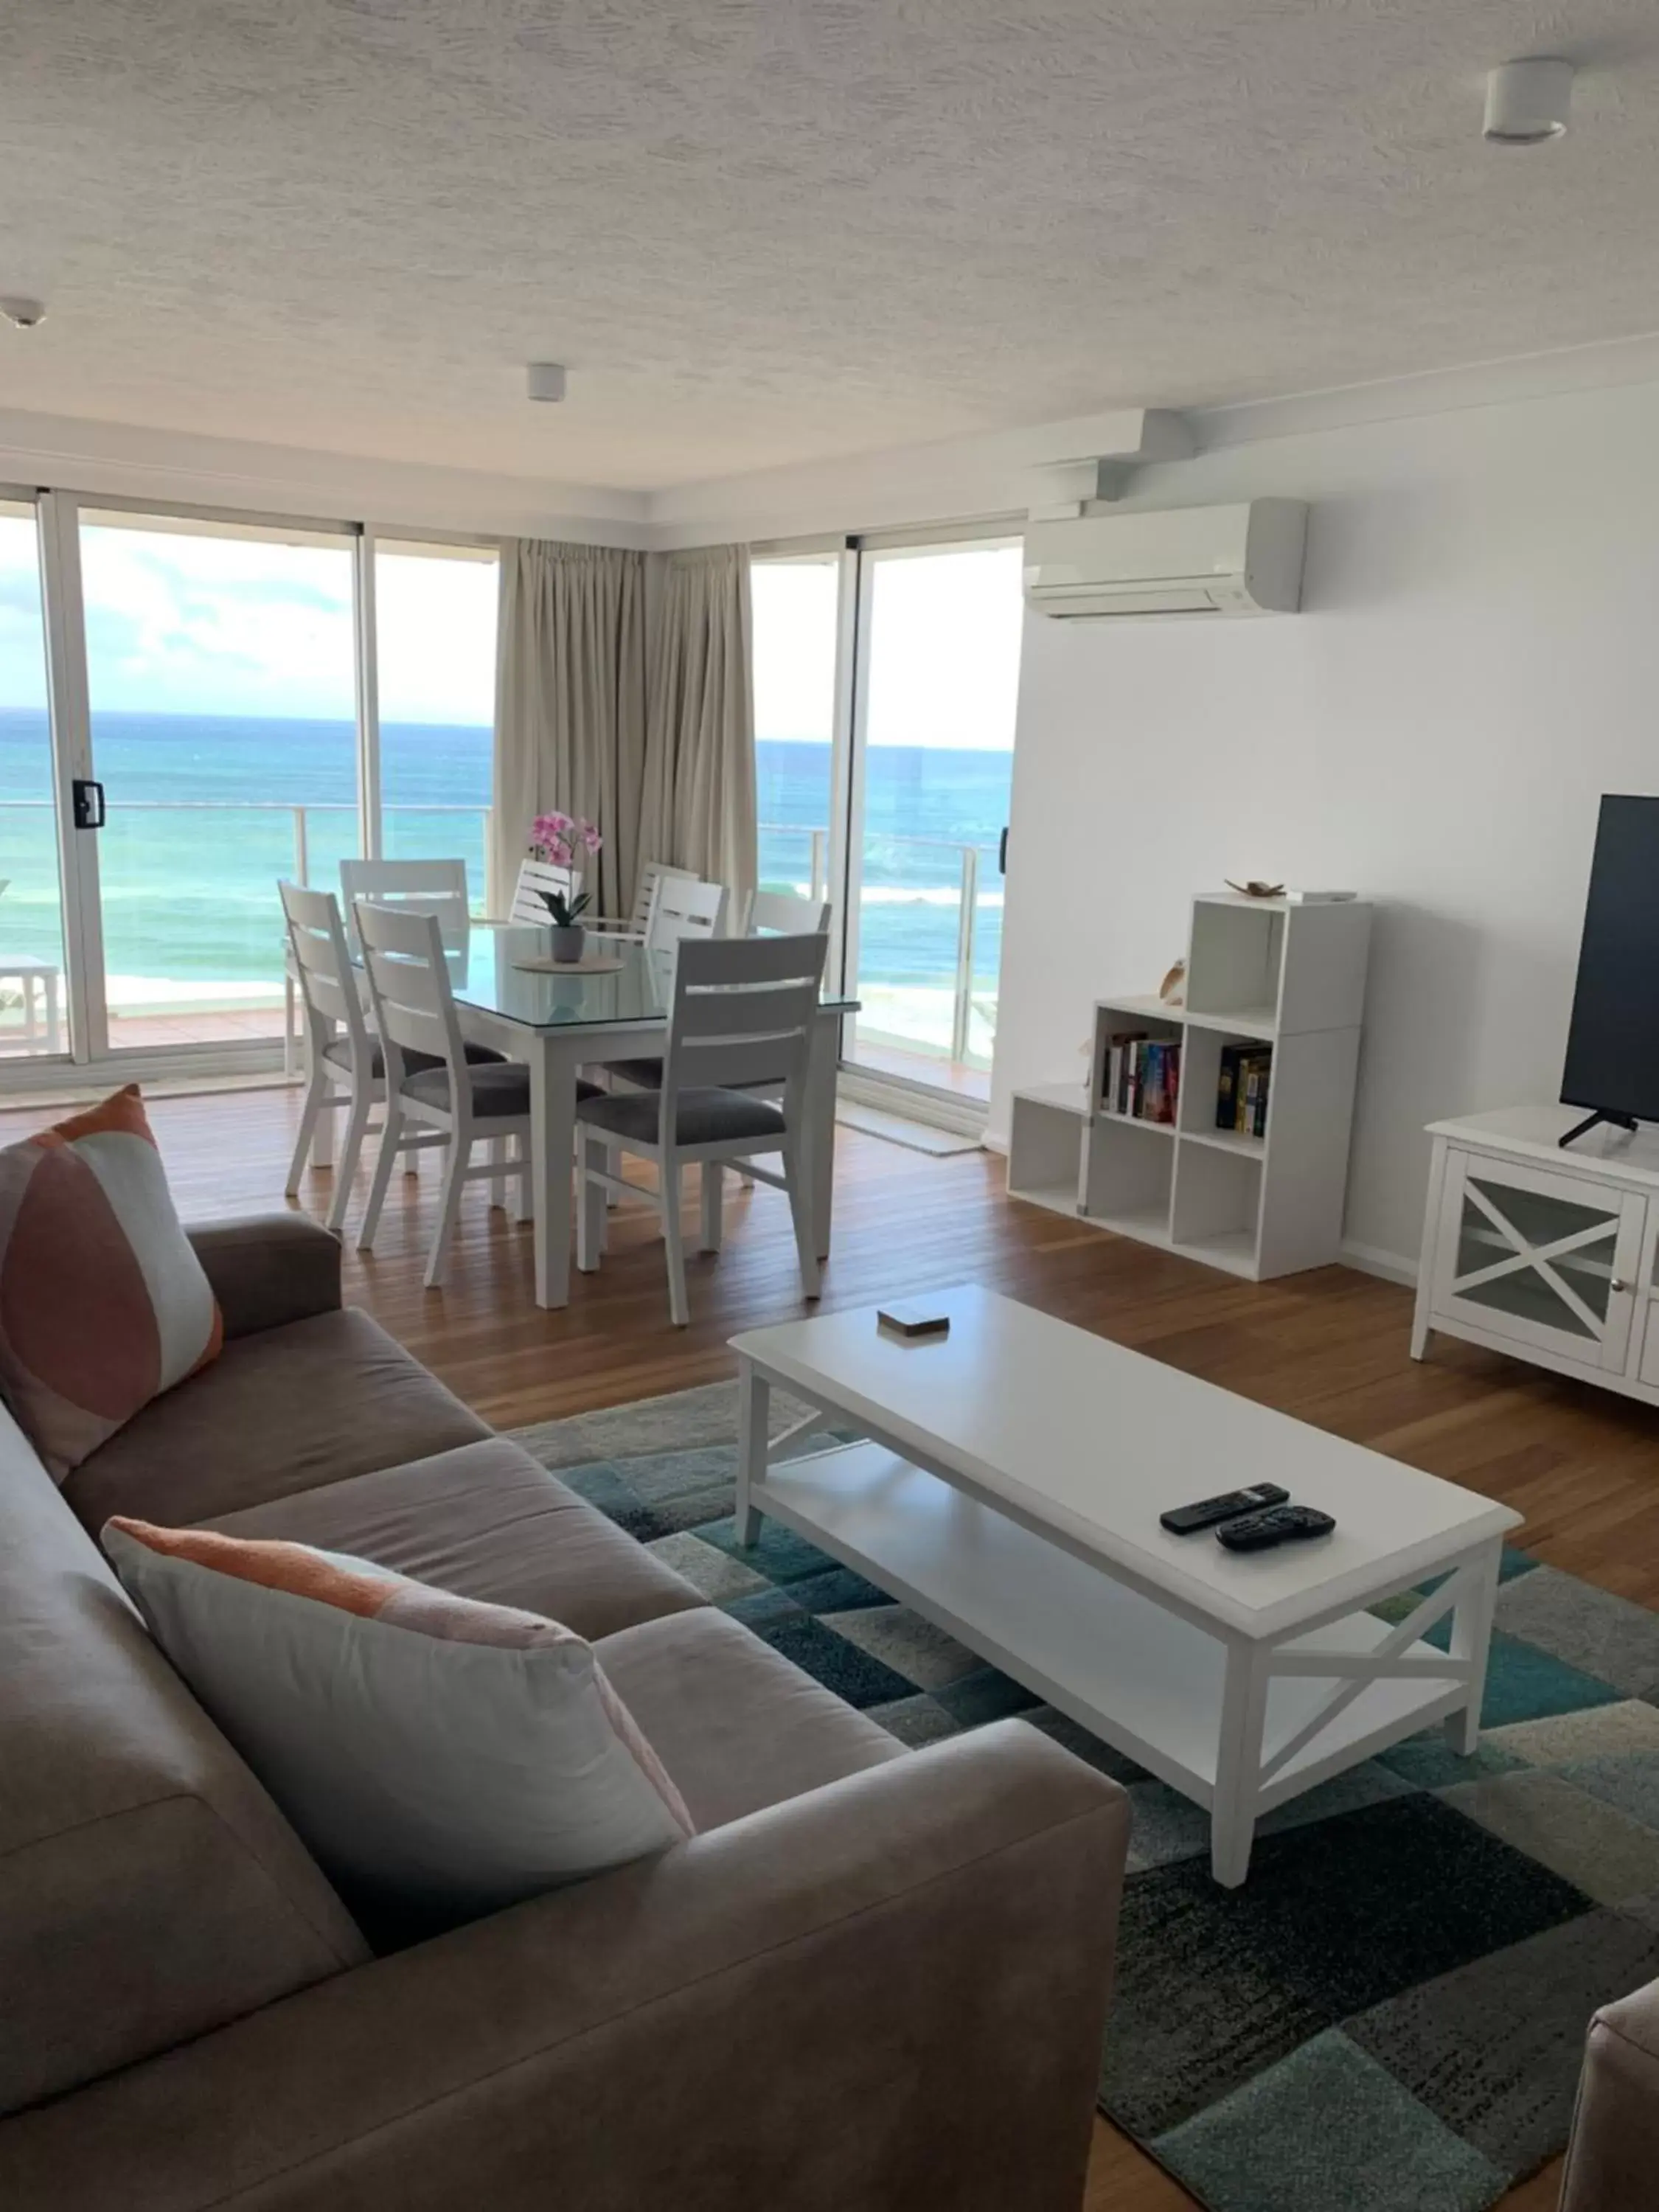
(1330, 1348)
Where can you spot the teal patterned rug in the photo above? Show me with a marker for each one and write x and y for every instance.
(1389, 2015)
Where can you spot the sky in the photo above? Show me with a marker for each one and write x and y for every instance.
(943, 648)
(194, 625)
(184, 625)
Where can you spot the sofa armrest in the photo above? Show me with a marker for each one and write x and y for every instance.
(1612, 2158)
(269, 1268)
(884, 1994)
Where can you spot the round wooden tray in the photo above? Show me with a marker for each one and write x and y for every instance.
(591, 963)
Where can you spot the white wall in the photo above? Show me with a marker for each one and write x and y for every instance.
(117, 460)
(1478, 661)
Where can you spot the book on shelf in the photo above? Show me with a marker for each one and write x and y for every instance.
(1142, 1077)
(1243, 1082)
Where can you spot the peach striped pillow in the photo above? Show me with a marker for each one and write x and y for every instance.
(436, 1753)
(103, 1301)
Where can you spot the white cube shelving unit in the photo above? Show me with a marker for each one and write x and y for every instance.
(1258, 971)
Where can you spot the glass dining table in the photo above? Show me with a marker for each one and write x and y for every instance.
(557, 1022)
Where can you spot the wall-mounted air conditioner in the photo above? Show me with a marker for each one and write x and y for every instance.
(1242, 560)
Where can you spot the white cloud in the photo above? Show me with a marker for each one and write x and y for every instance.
(209, 625)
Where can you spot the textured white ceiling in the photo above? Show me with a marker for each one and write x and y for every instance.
(770, 232)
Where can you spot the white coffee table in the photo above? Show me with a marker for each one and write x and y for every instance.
(1009, 1488)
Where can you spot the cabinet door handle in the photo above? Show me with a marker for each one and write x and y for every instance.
(1615, 1284)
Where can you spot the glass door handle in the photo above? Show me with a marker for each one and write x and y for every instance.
(1002, 852)
(88, 795)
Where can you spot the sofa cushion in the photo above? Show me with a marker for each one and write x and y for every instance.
(317, 1401)
(103, 1303)
(736, 1724)
(443, 1757)
(487, 1521)
(702, 1116)
(149, 1890)
(268, 1269)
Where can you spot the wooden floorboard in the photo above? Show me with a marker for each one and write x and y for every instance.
(1581, 1464)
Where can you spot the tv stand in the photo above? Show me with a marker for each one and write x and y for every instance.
(1595, 1121)
(1549, 1257)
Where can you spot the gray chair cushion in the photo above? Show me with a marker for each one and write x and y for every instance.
(340, 1053)
(502, 1088)
(702, 1116)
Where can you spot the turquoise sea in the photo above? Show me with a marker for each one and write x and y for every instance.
(203, 820)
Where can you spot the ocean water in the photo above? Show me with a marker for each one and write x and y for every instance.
(203, 820)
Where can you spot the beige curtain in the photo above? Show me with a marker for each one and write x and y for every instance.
(571, 706)
(698, 808)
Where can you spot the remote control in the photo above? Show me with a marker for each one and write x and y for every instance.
(1188, 1520)
(1279, 1524)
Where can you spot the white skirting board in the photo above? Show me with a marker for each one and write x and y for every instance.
(1392, 1267)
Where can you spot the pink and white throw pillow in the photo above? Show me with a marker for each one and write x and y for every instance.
(103, 1301)
(438, 1754)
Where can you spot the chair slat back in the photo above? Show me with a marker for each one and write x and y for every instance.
(644, 897)
(685, 906)
(328, 982)
(786, 913)
(434, 887)
(409, 986)
(743, 1012)
(536, 876)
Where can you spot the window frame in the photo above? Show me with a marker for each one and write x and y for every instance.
(860, 554)
(59, 513)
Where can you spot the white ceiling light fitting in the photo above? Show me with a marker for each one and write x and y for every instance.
(545, 379)
(1527, 102)
(23, 314)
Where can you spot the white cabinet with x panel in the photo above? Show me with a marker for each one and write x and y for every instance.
(1543, 1253)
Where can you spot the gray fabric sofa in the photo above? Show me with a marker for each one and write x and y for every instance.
(873, 1980)
(1613, 2159)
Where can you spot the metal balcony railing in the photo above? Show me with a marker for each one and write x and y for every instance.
(941, 876)
(892, 869)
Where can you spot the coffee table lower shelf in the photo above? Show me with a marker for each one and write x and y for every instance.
(1150, 1682)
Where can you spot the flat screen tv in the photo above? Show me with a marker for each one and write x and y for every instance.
(1613, 1046)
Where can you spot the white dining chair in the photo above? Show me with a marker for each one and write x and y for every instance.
(450, 1101)
(742, 1012)
(345, 1064)
(637, 929)
(786, 913)
(535, 878)
(345, 1071)
(684, 908)
(434, 887)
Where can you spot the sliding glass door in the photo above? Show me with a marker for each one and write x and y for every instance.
(32, 998)
(221, 678)
(434, 619)
(192, 707)
(885, 681)
(938, 649)
(798, 622)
